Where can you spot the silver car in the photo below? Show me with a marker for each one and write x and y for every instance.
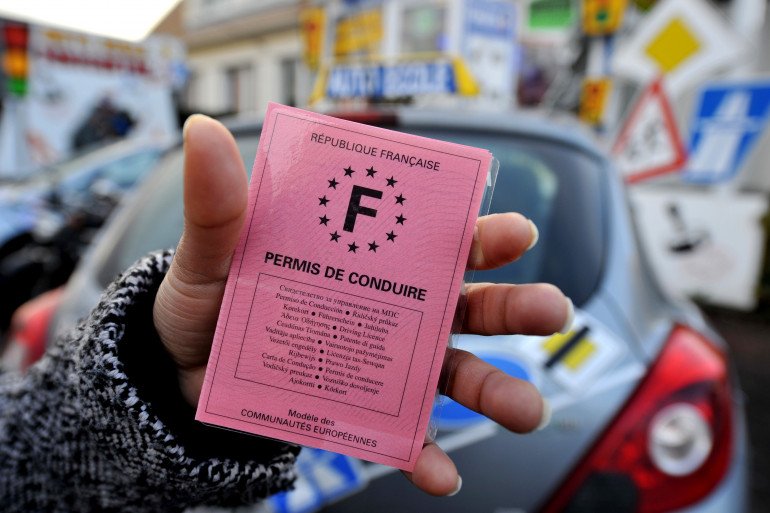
(647, 412)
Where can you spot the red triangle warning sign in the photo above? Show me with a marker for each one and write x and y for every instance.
(649, 144)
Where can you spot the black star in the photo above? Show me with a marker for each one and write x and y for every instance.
(324, 220)
(323, 201)
(373, 246)
(400, 219)
(349, 171)
(400, 199)
(391, 236)
(370, 172)
(352, 247)
(391, 182)
(333, 183)
(335, 236)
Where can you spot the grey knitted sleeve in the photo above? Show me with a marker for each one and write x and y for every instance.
(99, 423)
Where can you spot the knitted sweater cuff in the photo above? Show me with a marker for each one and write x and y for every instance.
(124, 438)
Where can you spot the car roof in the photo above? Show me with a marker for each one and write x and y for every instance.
(538, 124)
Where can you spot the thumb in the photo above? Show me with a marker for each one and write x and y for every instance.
(215, 199)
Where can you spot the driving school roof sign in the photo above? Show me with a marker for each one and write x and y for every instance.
(396, 80)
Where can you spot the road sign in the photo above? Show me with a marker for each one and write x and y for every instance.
(550, 15)
(490, 49)
(649, 144)
(685, 40)
(323, 478)
(729, 118)
(602, 17)
(450, 415)
(703, 243)
(594, 98)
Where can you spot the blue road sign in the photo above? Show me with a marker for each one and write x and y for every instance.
(729, 118)
(491, 18)
(324, 477)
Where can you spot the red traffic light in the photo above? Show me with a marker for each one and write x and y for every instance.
(15, 35)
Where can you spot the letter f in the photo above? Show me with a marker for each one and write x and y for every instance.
(355, 208)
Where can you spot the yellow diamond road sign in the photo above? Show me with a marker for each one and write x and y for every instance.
(685, 41)
(673, 45)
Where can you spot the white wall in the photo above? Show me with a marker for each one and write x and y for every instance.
(264, 54)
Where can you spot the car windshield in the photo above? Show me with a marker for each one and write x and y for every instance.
(554, 184)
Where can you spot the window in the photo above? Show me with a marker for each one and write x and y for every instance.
(240, 90)
(560, 189)
(190, 94)
(289, 81)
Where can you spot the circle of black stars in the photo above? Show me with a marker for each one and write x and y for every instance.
(336, 236)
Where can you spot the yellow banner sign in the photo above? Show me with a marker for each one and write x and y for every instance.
(313, 20)
(359, 33)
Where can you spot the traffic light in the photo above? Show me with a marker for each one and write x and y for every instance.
(15, 58)
(602, 17)
(594, 98)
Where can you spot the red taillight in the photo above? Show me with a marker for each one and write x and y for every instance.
(671, 443)
(29, 326)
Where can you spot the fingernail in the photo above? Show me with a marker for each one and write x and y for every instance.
(546, 418)
(188, 122)
(535, 234)
(457, 489)
(570, 317)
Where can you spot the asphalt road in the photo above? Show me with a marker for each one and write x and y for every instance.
(748, 336)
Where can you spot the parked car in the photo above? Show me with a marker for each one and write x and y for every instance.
(647, 413)
(46, 221)
(108, 169)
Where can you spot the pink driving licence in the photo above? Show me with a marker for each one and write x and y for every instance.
(343, 287)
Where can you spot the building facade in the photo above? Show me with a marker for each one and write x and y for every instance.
(243, 54)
